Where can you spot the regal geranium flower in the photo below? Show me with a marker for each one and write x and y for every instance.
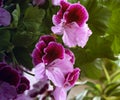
(5, 17)
(13, 80)
(47, 50)
(70, 21)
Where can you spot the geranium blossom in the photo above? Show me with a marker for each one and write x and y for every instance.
(5, 17)
(70, 21)
(11, 79)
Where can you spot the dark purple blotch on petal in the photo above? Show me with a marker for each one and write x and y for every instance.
(53, 51)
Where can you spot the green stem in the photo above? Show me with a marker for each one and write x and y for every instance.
(106, 73)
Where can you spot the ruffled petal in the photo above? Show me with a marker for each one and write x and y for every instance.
(76, 13)
(75, 35)
(53, 51)
(71, 78)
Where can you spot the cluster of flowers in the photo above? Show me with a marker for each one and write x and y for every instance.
(55, 63)
(12, 82)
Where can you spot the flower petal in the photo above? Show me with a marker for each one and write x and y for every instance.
(56, 76)
(59, 94)
(47, 39)
(39, 71)
(71, 78)
(75, 35)
(76, 13)
(53, 51)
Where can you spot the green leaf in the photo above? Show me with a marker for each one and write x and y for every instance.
(116, 44)
(111, 87)
(25, 38)
(34, 14)
(33, 18)
(16, 16)
(23, 57)
(5, 40)
(93, 70)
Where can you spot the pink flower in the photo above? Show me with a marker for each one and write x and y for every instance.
(60, 93)
(47, 50)
(70, 21)
(5, 17)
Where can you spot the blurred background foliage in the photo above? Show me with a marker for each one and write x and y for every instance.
(98, 60)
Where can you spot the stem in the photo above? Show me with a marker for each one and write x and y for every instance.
(106, 73)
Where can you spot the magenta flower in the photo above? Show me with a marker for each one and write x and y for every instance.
(5, 17)
(70, 21)
(47, 50)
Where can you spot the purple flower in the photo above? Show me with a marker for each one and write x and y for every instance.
(38, 2)
(70, 21)
(7, 91)
(47, 50)
(23, 85)
(5, 17)
(13, 80)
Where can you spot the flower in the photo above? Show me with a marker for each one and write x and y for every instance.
(47, 50)
(70, 21)
(11, 79)
(55, 63)
(5, 17)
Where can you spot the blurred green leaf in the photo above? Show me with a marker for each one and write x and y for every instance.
(111, 87)
(93, 70)
(23, 57)
(5, 40)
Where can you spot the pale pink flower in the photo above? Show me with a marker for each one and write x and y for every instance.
(70, 21)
